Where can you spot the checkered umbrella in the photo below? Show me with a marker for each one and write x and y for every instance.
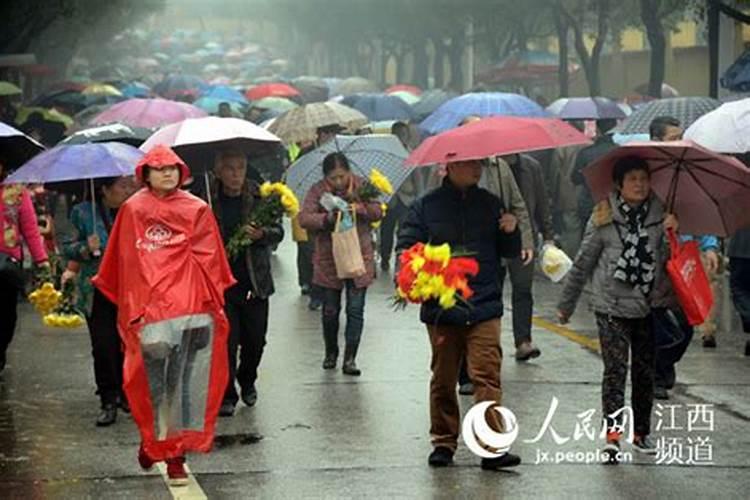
(301, 124)
(685, 109)
(364, 152)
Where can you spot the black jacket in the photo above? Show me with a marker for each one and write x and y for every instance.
(257, 258)
(468, 222)
(588, 155)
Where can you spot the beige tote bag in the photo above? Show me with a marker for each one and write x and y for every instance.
(347, 253)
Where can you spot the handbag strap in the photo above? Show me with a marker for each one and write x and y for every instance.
(674, 243)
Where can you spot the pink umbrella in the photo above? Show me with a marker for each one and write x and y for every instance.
(709, 192)
(496, 136)
(196, 140)
(148, 113)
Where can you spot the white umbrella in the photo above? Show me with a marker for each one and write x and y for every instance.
(724, 130)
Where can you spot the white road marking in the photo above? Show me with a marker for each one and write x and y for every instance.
(191, 491)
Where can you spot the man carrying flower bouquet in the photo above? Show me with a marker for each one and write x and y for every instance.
(234, 199)
(470, 220)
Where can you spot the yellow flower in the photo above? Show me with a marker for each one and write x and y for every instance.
(376, 224)
(448, 298)
(417, 263)
(440, 253)
(266, 190)
(380, 182)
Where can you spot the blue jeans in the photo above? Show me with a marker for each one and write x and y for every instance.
(739, 282)
(672, 334)
(355, 315)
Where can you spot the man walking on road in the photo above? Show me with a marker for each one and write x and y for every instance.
(469, 218)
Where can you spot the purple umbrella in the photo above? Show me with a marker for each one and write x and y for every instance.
(148, 113)
(65, 163)
(16, 148)
(586, 108)
(78, 161)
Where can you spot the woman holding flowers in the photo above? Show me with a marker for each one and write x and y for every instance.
(91, 228)
(250, 226)
(364, 208)
(17, 222)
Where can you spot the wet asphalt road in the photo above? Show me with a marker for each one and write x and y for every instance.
(318, 433)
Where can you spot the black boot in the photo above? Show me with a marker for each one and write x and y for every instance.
(107, 416)
(332, 350)
(350, 367)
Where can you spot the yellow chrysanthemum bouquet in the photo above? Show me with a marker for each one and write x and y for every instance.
(276, 200)
(56, 307)
(375, 186)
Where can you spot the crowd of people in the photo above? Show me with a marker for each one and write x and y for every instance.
(178, 325)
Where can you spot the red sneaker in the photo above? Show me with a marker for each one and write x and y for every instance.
(176, 471)
(144, 460)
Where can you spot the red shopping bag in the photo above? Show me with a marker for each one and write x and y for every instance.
(689, 280)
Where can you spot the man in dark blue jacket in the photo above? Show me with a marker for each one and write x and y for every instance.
(470, 219)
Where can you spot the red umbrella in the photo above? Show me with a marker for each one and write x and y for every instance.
(709, 192)
(496, 136)
(271, 90)
(412, 89)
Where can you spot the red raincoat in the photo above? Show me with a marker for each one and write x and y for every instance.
(166, 270)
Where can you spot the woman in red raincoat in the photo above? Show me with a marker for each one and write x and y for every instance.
(166, 270)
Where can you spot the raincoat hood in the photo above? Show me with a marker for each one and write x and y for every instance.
(159, 157)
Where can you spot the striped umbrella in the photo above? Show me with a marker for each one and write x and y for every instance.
(301, 124)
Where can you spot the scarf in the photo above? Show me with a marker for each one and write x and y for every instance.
(636, 263)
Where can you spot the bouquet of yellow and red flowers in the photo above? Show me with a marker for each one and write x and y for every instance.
(276, 200)
(56, 307)
(430, 272)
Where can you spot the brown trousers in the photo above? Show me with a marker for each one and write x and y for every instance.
(481, 343)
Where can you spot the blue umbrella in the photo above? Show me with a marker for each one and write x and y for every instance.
(737, 77)
(211, 105)
(452, 112)
(430, 101)
(81, 161)
(380, 107)
(224, 93)
(178, 84)
(136, 89)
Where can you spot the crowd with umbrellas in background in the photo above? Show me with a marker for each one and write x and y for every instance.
(197, 143)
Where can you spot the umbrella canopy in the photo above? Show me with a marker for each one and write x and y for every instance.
(135, 89)
(271, 90)
(80, 161)
(482, 104)
(586, 108)
(196, 140)
(275, 103)
(379, 107)
(148, 113)
(724, 130)
(301, 124)
(176, 85)
(685, 109)
(496, 136)
(101, 89)
(312, 89)
(525, 66)
(411, 89)
(355, 85)
(709, 193)
(114, 132)
(407, 97)
(49, 115)
(431, 101)
(737, 76)
(16, 148)
(224, 93)
(211, 105)
(364, 152)
(8, 89)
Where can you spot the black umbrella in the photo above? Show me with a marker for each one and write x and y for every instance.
(16, 148)
(114, 132)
